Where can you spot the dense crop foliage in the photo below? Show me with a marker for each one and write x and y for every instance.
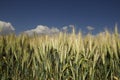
(60, 57)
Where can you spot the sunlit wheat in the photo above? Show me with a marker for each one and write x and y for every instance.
(60, 57)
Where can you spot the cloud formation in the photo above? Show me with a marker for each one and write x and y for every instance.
(6, 28)
(41, 29)
(68, 29)
(90, 28)
(45, 30)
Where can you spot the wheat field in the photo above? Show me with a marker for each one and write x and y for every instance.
(60, 57)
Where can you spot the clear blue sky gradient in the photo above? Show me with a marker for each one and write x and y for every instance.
(27, 14)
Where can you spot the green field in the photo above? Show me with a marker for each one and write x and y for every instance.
(60, 57)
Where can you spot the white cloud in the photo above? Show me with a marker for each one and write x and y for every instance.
(90, 28)
(6, 27)
(65, 28)
(40, 29)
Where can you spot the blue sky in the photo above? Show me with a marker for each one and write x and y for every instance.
(27, 14)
